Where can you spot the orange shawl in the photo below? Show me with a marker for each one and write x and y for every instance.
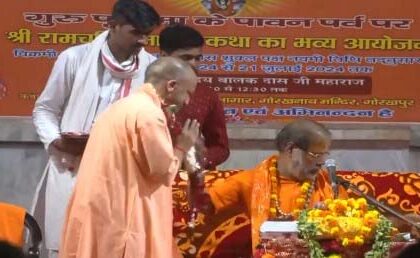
(12, 220)
(260, 197)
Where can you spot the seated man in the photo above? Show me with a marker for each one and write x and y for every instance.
(282, 185)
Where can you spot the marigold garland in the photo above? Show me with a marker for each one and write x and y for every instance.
(350, 222)
(302, 201)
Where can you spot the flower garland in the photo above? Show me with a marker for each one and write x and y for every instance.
(302, 201)
(349, 223)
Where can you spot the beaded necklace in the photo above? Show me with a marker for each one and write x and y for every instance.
(302, 202)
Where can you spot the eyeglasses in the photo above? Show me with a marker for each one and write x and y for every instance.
(317, 155)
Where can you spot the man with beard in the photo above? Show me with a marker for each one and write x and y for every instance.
(84, 81)
(283, 184)
(122, 200)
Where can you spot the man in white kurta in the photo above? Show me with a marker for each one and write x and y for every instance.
(84, 81)
(122, 201)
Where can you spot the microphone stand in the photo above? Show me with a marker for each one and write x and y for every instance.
(334, 187)
(375, 202)
(195, 181)
(195, 178)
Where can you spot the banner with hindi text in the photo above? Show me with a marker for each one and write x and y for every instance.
(328, 60)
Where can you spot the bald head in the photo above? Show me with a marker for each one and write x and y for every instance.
(303, 133)
(168, 68)
(174, 80)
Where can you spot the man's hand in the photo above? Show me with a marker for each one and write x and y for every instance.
(70, 146)
(189, 135)
(414, 230)
(403, 226)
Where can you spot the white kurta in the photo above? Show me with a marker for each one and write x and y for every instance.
(64, 97)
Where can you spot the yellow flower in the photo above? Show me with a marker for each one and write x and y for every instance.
(334, 230)
(331, 206)
(366, 230)
(305, 187)
(371, 218)
(334, 256)
(317, 212)
(356, 213)
(273, 210)
(372, 214)
(358, 240)
(345, 241)
(361, 201)
(350, 225)
(352, 203)
(311, 213)
(329, 217)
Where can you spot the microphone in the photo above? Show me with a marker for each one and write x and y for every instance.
(331, 168)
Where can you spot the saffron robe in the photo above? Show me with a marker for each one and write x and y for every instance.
(252, 189)
(122, 202)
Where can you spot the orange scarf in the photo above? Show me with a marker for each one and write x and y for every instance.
(260, 199)
(261, 190)
(12, 219)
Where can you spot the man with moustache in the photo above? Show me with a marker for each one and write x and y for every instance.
(122, 200)
(283, 184)
(84, 81)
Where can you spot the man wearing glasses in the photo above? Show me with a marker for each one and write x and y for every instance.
(282, 185)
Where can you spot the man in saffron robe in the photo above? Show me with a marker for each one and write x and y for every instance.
(122, 201)
(303, 146)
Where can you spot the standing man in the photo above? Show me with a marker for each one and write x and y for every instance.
(122, 201)
(85, 79)
(187, 43)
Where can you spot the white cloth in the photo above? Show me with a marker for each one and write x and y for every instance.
(112, 82)
(190, 161)
(78, 89)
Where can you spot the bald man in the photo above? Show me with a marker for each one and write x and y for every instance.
(122, 202)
